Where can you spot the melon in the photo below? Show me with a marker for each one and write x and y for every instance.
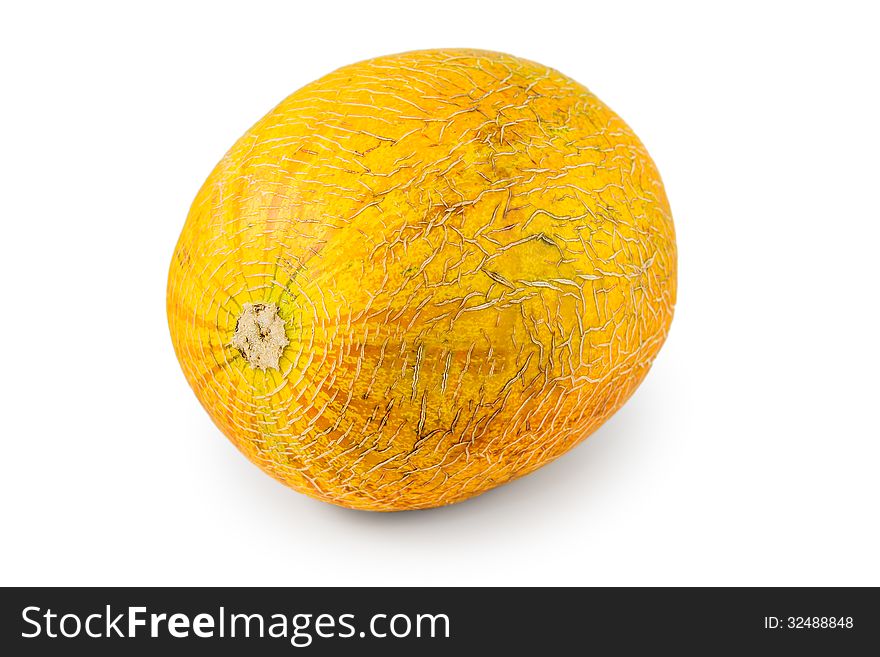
(422, 276)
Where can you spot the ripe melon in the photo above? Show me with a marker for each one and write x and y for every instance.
(422, 276)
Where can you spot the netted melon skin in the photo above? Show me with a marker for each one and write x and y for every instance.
(471, 261)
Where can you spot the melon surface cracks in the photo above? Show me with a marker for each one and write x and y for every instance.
(421, 276)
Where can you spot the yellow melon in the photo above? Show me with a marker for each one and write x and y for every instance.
(422, 276)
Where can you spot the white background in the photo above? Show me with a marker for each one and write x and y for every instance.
(750, 455)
